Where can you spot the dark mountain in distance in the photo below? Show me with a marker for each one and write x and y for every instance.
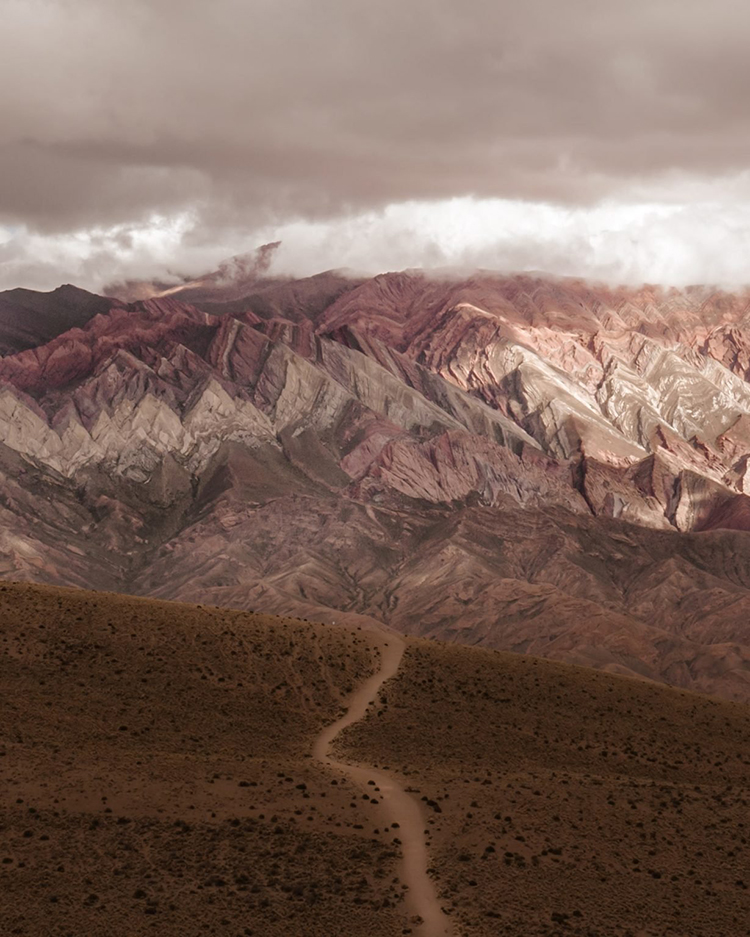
(29, 318)
(532, 464)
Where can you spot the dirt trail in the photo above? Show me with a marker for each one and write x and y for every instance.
(396, 805)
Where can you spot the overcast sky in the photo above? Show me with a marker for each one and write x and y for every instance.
(595, 137)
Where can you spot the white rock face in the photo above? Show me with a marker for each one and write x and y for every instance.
(133, 439)
(23, 429)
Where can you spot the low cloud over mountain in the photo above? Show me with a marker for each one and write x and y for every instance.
(157, 136)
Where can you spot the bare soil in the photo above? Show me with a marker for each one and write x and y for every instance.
(564, 801)
(180, 770)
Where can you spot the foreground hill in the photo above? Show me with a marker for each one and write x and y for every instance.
(168, 771)
(535, 465)
(158, 776)
(562, 801)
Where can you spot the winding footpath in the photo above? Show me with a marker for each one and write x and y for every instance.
(397, 806)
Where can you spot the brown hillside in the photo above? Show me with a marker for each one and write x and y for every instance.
(561, 800)
(159, 779)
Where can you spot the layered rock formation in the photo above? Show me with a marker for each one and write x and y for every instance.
(538, 465)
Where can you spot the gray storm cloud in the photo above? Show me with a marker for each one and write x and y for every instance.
(250, 114)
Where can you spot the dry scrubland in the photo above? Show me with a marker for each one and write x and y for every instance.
(565, 801)
(157, 779)
(156, 775)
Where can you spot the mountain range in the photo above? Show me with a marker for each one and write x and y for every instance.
(540, 465)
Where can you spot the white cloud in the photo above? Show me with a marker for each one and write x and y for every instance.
(151, 135)
(628, 242)
(706, 240)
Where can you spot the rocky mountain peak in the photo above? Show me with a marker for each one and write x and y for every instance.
(537, 464)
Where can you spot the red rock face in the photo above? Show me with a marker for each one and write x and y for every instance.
(544, 466)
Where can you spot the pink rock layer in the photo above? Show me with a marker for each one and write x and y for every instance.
(544, 466)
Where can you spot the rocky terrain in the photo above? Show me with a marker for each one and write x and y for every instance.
(161, 774)
(536, 465)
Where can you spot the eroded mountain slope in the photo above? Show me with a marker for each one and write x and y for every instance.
(533, 464)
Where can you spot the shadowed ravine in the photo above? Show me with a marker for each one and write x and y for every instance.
(396, 805)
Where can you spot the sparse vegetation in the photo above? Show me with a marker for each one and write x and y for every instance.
(158, 775)
(569, 801)
(155, 769)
